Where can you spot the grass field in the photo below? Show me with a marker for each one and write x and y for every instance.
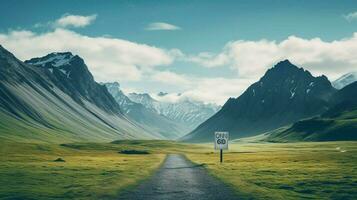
(319, 170)
(99, 171)
(90, 171)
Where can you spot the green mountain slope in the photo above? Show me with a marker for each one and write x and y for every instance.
(343, 128)
(38, 105)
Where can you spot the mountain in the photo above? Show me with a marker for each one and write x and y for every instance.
(345, 80)
(146, 100)
(147, 118)
(186, 112)
(338, 123)
(285, 94)
(124, 102)
(70, 74)
(55, 99)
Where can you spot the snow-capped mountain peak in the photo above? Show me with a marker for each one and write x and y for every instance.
(58, 60)
(54, 59)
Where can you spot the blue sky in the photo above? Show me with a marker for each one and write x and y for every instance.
(211, 42)
(207, 25)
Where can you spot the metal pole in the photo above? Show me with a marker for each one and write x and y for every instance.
(221, 155)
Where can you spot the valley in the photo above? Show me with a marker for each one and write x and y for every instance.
(178, 100)
(66, 136)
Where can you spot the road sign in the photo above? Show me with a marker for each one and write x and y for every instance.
(221, 140)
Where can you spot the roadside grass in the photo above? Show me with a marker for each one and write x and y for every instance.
(29, 171)
(311, 170)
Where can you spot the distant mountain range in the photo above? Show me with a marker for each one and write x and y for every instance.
(149, 118)
(186, 112)
(285, 94)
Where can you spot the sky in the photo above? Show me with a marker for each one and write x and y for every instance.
(204, 50)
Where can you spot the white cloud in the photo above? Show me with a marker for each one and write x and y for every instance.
(109, 59)
(252, 58)
(68, 20)
(208, 90)
(216, 90)
(351, 16)
(161, 26)
(168, 77)
(209, 59)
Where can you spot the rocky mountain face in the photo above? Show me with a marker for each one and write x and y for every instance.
(339, 122)
(345, 80)
(186, 112)
(70, 74)
(124, 102)
(283, 95)
(147, 117)
(55, 99)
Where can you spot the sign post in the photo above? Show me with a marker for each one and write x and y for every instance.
(221, 157)
(221, 142)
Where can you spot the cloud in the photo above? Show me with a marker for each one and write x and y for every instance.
(115, 59)
(68, 20)
(216, 90)
(109, 59)
(161, 26)
(168, 77)
(351, 16)
(209, 59)
(252, 58)
(209, 90)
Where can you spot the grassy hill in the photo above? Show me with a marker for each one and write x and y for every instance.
(56, 120)
(343, 128)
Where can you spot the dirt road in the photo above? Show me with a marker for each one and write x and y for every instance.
(178, 178)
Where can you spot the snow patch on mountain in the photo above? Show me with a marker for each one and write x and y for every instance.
(54, 59)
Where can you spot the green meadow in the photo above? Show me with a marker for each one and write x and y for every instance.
(310, 170)
(96, 171)
(315, 170)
